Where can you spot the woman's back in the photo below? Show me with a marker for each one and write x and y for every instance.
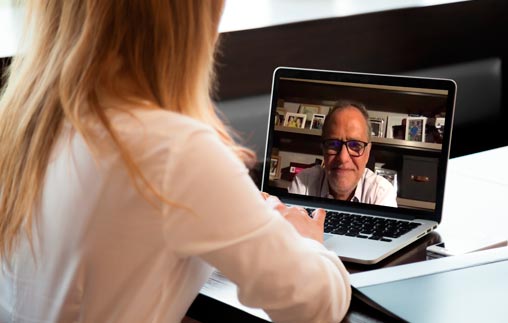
(111, 255)
(104, 244)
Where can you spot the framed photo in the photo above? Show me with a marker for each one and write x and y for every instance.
(295, 120)
(309, 110)
(317, 121)
(274, 167)
(377, 126)
(393, 125)
(279, 116)
(415, 128)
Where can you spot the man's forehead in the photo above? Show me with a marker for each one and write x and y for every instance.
(351, 117)
(351, 121)
(347, 110)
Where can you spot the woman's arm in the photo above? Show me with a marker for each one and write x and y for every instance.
(294, 279)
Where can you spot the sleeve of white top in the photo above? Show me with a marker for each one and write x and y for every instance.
(294, 279)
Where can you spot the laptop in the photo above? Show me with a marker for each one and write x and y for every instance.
(411, 123)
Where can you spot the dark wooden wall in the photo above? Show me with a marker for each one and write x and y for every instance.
(382, 42)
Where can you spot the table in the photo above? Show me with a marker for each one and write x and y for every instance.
(475, 203)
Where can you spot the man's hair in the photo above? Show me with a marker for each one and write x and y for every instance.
(342, 105)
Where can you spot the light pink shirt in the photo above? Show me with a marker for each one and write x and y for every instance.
(371, 189)
(105, 254)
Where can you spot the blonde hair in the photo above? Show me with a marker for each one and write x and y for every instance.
(165, 48)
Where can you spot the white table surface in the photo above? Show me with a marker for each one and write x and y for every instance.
(476, 194)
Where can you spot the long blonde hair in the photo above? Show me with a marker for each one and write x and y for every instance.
(78, 47)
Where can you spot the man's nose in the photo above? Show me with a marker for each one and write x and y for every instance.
(343, 154)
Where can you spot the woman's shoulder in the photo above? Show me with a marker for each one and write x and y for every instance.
(153, 132)
(157, 123)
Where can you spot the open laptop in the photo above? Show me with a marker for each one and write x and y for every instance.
(411, 120)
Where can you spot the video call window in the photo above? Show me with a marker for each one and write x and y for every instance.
(406, 131)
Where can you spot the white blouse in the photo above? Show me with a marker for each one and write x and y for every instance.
(103, 253)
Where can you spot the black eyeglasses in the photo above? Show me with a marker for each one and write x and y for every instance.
(355, 148)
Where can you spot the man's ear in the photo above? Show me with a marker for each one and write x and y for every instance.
(370, 162)
(367, 149)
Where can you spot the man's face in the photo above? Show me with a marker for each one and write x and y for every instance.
(344, 171)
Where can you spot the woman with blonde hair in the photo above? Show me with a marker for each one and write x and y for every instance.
(121, 188)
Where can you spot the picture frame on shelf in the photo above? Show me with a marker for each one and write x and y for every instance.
(309, 110)
(317, 121)
(393, 127)
(377, 126)
(275, 162)
(415, 129)
(279, 116)
(295, 120)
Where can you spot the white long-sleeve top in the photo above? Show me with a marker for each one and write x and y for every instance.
(105, 254)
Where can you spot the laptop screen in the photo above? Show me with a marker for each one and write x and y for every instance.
(383, 148)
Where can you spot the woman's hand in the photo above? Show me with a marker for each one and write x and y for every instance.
(310, 227)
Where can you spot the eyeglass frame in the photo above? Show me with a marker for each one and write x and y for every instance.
(344, 143)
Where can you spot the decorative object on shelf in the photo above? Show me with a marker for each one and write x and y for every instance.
(378, 127)
(434, 129)
(295, 120)
(317, 121)
(391, 127)
(440, 122)
(309, 110)
(439, 125)
(275, 162)
(279, 116)
(415, 129)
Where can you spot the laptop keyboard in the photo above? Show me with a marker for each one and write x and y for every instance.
(365, 227)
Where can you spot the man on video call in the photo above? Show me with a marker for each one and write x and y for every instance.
(346, 149)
